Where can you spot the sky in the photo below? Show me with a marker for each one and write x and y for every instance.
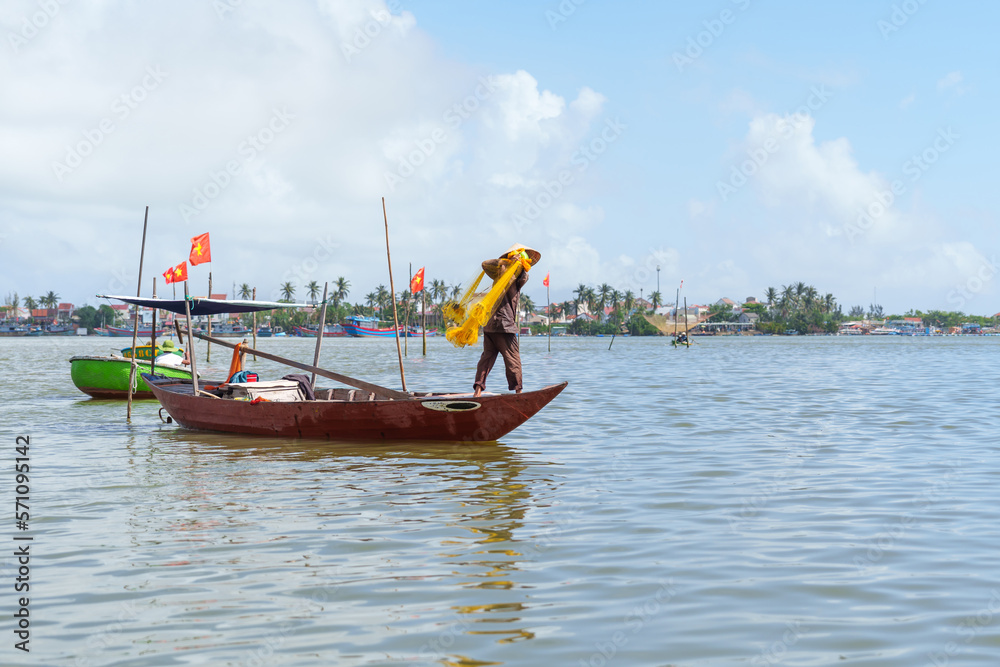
(734, 145)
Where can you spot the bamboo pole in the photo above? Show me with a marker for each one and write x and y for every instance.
(152, 343)
(135, 319)
(677, 306)
(208, 353)
(255, 324)
(319, 334)
(549, 299)
(687, 341)
(191, 354)
(406, 319)
(392, 292)
(378, 390)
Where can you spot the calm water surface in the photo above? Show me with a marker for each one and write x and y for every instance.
(809, 501)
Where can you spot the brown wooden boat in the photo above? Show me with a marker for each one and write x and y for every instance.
(343, 414)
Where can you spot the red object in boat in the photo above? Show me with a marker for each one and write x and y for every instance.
(425, 417)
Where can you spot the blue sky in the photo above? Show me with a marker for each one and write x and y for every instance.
(835, 100)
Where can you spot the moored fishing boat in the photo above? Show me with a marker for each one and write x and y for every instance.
(119, 332)
(329, 331)
(230, 330)
(367, 327)
(107, 377)
(348, 414)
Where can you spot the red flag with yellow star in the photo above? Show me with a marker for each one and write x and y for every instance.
(201, 251)
(417, 283)
(176, 274)
(546, 281)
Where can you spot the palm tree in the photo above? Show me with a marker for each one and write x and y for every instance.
(370, 300)
(456, 291)
(439, 290)
(656, 300)
(603, 295)
(14, 302)
(628, 300)
(382, 298)
(829, 303)
(341, 289)
(50, 300)
(287, 291)
(313, 289)
(581, 297)
(527, 305)
(30, 304)
(615, 299)
(771, 295)
(245, 292)
(591, 299)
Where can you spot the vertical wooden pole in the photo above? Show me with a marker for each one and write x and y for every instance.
(423, 311)
(319, 334)
(135, 320)
(255, 325)
(549, 299)
(406, 319)
(392, 292)
(687, 338)
(677, 306)
(191, 354)
(208, 352)
(152, 341)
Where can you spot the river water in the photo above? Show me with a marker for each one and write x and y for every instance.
(747, 501)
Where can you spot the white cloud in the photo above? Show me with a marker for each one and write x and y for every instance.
(907, 101)
(366, 93)
(952, 82)
(816, 195)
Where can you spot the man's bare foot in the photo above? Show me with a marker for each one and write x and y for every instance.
(517, 391)
(477, 393)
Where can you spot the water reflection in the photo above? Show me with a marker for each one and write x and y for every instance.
(438, 521)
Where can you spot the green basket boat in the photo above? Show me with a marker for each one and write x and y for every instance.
(107, 377)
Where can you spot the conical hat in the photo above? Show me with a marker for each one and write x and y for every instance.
(533, 254)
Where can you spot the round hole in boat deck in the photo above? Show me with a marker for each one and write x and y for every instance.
(451, 406)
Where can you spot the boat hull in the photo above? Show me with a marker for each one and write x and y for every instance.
(369, 332)
(107, 377)
(430, 418)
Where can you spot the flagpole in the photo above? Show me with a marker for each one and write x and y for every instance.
(549, 299)
(135, 320)
(152, 339)
(191, 354)
(254, 323)
(423, 313)
(392, 292)
(208, 354)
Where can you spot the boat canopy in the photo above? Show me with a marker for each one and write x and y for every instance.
(200, 306)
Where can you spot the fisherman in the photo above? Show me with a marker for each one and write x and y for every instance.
(500, 332)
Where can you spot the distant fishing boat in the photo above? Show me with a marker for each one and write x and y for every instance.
(329, 331)
(365, 327)
(119, 332)
(229, 330)
(13, 330)
(58, 330)
(418, 333)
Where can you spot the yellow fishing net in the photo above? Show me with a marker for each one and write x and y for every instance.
(474, 308)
